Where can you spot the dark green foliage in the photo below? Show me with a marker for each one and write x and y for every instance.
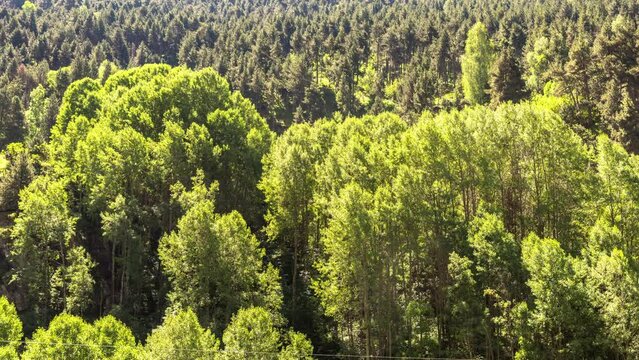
(303, 61)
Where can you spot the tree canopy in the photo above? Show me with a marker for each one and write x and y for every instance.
(294, 180)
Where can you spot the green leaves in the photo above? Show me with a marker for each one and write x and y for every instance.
(618, 173)
(612, 283)
(253, 335)
(115, 339)
(123, 144)
(562, 323)
(16, 171)
(10, 330)
(476, 64)
(72, 284)
(214, 263)
(70, 337)
(180, 337)
(53, 269)
(67, 337)
(391, 203)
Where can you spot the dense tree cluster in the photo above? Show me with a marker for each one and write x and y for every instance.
(136, 207)
(301, 61)
(164, 201)
(251, 334)
(462, 183)
(478, 232)
(144, 154)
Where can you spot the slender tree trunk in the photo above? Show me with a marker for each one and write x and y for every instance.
(113, 273)
(64, 283)
(294, 279)
(125, 251)
(367, 321)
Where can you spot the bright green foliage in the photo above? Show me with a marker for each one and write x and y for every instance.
(476, 64)
(465, 306)
(180, 337)
(38, 118)
(72, 284)
(67, 337)
(214, 262)
(392, 235)
(348, 274)
(8, 353)
(121, 143)
(500, 275)
(358, 239)
(28, 7)
(162, 121)
(16, 173)
(289, 184)
(298, 348)
(115, 339)
(70, 337)
(251, 335)
(496, 253)
(613, 283)
(392, 203)
(105, 70)
(520, 160)
(119, 233)
(561, 323)
(80, 99)
(538, 61)
(618, 173)
(10, 329)
(46, 264)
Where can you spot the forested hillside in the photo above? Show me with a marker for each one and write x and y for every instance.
(182, 179)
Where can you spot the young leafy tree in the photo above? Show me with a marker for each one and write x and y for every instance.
(38, 119)
(476, 64)
(67, 337)
(120, 144)
(10, 330)
(617, 198)
(42, 237)
(17, 174)
(214, 262)
(612, 285)
(357, 277)
(11, 116)
(562, 322)
(500, 276)
(289, 183)
(298, 347)
(72, 284)
(466, 308)
(181, 337)
(253, 334)
(538, 61)
(118, 232)
(115, 339)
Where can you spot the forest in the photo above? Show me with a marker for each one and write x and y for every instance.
(320, 179)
